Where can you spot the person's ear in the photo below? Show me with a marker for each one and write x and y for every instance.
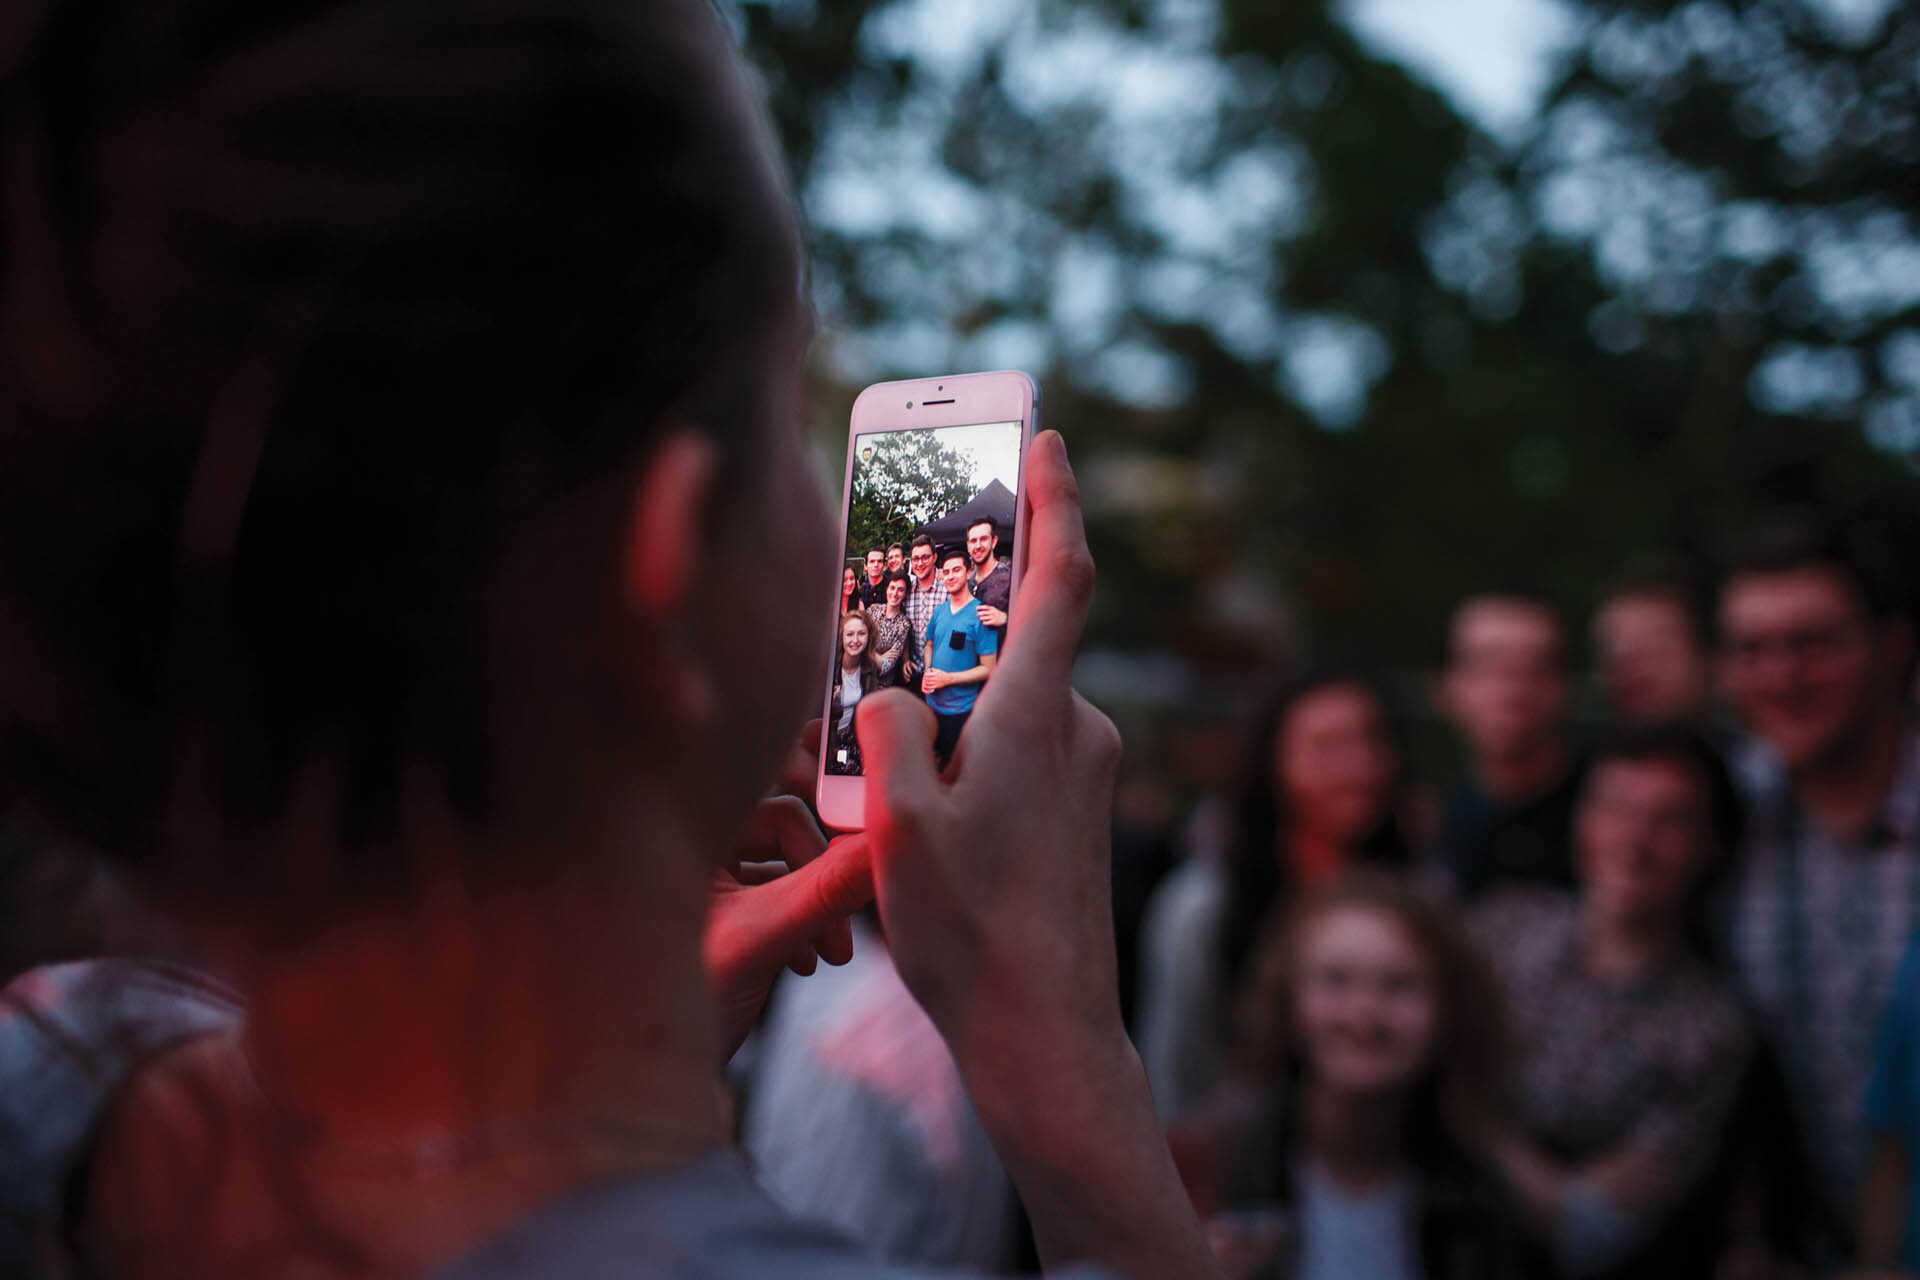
(668, 529)
(667, 533)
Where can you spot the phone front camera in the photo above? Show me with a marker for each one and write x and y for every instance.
(909, 404)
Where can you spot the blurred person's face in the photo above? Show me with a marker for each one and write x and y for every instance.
(1652, 666)
(896, 592)
(980, 542)
(1505, 686)
(873, 565)
(1334, 763)
(847, 581)
(921, 562)
(1642, 834)
(853, 638)
(894, 560)
(1803, 661)
(953, 575)
(1367, 1007)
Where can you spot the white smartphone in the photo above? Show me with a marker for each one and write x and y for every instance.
(934, 533)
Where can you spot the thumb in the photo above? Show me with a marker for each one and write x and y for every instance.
(896, 747)
(792, 910)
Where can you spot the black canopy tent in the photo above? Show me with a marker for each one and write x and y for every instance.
(994, 502)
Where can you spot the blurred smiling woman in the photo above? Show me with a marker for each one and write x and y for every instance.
(1375, 1038)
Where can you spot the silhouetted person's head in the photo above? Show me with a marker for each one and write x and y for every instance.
(377, 383)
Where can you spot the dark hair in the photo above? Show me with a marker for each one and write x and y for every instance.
(951, 553)
(993, 526)
(876, 551)
(1796, 538)
(1686, 746)
(921, 540)
(1257, 880)
(1471, 1051)
(303, 344)
(897, 575)
(895, 546)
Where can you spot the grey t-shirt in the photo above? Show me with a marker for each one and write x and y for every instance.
(709, 1221)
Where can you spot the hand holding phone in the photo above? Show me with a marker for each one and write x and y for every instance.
(933, 483)
(992, 882)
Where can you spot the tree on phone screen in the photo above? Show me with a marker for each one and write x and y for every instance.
(907, 479)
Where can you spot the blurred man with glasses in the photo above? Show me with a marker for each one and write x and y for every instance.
(1814, 647)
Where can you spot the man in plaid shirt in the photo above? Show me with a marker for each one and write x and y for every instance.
(1813, 651)
(923, 596)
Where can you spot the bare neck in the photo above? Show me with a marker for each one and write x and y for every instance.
(1844, 791)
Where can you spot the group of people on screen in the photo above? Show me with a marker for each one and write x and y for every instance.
(923, 616)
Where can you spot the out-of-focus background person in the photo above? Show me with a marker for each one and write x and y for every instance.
(1323, 790)
(1631, 1041)
(1374, 1036)
(1815, 651)
(1653, 648)
(1505, 687)
(857, 1116)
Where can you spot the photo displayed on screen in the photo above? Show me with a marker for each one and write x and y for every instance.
(923, 595)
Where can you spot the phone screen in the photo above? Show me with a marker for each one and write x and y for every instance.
(927, 579)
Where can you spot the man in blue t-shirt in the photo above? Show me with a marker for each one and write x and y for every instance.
(960, 653)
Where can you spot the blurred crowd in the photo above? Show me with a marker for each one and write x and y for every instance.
(1635, 995)
(1633, 998)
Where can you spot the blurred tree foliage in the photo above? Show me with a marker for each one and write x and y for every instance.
(900, 481)
(1328, 355)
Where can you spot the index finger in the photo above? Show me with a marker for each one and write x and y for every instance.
(1058, 585)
